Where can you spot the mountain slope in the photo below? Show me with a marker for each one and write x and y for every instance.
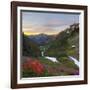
(41, 39)
(30, 48)
(65, 44)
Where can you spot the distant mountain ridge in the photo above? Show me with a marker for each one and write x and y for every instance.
(41, 39)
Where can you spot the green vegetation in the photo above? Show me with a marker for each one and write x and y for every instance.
(65, 44)
(66, 62)
(27, 73)
(48, 62)
(30, 48)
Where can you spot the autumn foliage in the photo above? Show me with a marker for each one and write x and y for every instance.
(34, 65)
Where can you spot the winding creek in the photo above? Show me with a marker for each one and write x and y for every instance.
(75, 60)
(53, 59)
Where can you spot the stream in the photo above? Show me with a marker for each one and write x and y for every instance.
(75, 60)
(53, 59)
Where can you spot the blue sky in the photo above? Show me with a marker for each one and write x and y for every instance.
(48, 23)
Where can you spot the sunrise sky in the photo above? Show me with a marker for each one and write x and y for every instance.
(48, 23)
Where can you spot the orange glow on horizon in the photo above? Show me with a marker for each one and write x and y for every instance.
(36, 33)
(30, 33)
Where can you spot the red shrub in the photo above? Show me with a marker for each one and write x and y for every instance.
(34, 65)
